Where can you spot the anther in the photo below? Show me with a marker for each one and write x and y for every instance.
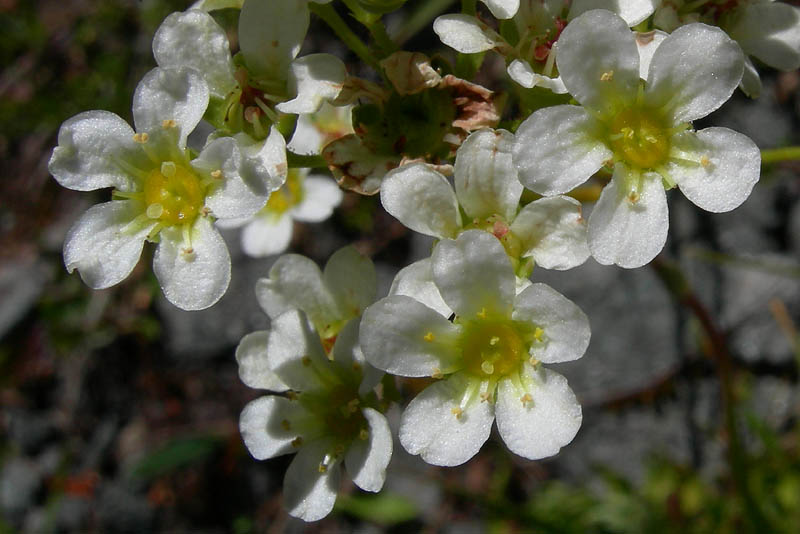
(428, 336)
(323, 468)
(141, 138)
(154, 211)
(352, 406)
(285, 425)
(291, 395)
(205, 212)
(168, 169)
(494, 341)
(297, 442)
(187, 253)
(437, 373)
(306, 361)
(533, 361)
(487, 367)
(538, 334)
(356, 366)
(607, 76)
(363, 435)
(168, 123)
(633, 197)
(704, 161)
(482, 314)
(458, 412)
(526, 399)
(484, 396)
(217, 174)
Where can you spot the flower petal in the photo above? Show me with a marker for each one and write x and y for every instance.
(465, 33)
(421, 199)
(553, 231)
(474, 275)
(632, 11)
(648, 43)
(558, 148)
(261, 427)
(309, 492)
(232, 194)
(404, 337)
(104, 244)
(770, 32)
(88, 146)
(732, 167)
(295, 282)
(193, 39)
(565, 326)
(598, 61)
(267, 235)
(320, 197)
(693, 72)
(366, 460)
(485, 177)
(263, 162)
(254, 370)
(293, 349)
(351, 280)
(626, 233)
(429, 427)
(270, 36)
(416, 281)
(177, 94)
(193, 280)
(521, 72)
(539, 428)
(314, 78)
(502, 9)
(751, 82)
(347, 353)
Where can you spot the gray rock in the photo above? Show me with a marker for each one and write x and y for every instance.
(21, 283)
(20, 479)
(121, 510)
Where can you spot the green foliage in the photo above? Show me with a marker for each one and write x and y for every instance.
(177, 453)
(385, 508)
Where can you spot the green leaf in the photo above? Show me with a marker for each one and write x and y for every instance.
(174, 455)
(384, 508)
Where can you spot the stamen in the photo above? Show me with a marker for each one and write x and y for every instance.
(285, 425)
(141, 138)
(428, 337)
(169, 123)
(306, 361)
(607, 76)
(482, 314)
(458, 412)
(363, 435)
(437, 373)
(168, 169)
(526, 398)
(297, 442)
(217, 174)
(705, 161)
(487, 367)
(534, 362)
(154, 211)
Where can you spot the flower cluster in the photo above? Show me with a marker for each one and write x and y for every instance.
(497, 182)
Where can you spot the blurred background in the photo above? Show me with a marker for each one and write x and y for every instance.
(120, 412)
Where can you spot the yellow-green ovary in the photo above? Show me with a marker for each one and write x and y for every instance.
(492, 349)
(639, 138)
(173, 194)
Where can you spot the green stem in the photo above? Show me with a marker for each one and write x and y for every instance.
(678, 285)
(308, 161)
(774, 155)
(468, 7)
(382, 39)
(327, 13)
(421, 19)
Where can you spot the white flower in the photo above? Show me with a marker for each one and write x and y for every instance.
(539, 24)
(246, 91)
(329, 417)
(643, 128)
(766, 30)
(551, 231)
(302, 198)
(315, 130)
(160, 194)
(489, 358)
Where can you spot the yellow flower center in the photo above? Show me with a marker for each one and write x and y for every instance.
(173, 194)
(639, 138)
(288, 196)
(492, 349)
